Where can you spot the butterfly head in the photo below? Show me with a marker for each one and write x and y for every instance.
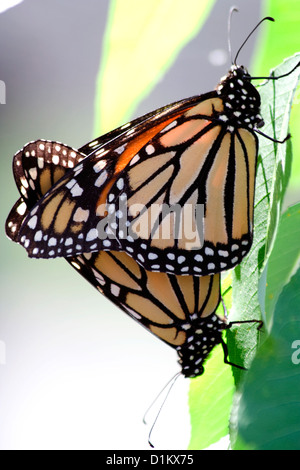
(241, 99)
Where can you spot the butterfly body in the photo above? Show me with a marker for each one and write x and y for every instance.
(208, 334)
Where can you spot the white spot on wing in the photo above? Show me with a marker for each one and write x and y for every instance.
(33, 173)
(170, 126)
(55, 159)
(76, 190)
(101, 179)
(40, 162)
(52, 241)
(120, 184)
(99, 166)
(92, 235)
(21, 209)
(134, 159)
(120, 150)
(115, 290)
(32, 222)
(150, 149)
(38, 236)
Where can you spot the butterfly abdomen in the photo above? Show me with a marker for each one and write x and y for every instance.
(199, 344)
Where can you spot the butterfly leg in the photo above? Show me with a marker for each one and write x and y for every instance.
(273, 77)
(271, 138)
(224, 345)
(238, 322)
(226, 361)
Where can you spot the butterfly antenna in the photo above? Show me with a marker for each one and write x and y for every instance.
(170, 384)
(155, 400)
(269, 18)
(232, 9)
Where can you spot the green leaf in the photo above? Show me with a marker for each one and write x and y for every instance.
(281, 265)
(272, 243)
(277, 99)
(268, 412)
(275, 159)
(141, 42)
(271, 181)
(287, 20)
(209, 410)
(280, 268)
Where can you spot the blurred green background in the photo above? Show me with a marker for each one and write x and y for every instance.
(78, 373)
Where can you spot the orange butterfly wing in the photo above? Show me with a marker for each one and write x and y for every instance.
(180, 310)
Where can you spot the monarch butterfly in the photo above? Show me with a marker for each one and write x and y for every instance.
(174, 189)
(180, 310)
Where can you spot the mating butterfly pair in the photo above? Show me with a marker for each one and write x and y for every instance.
(160, 266)
(178, 309)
